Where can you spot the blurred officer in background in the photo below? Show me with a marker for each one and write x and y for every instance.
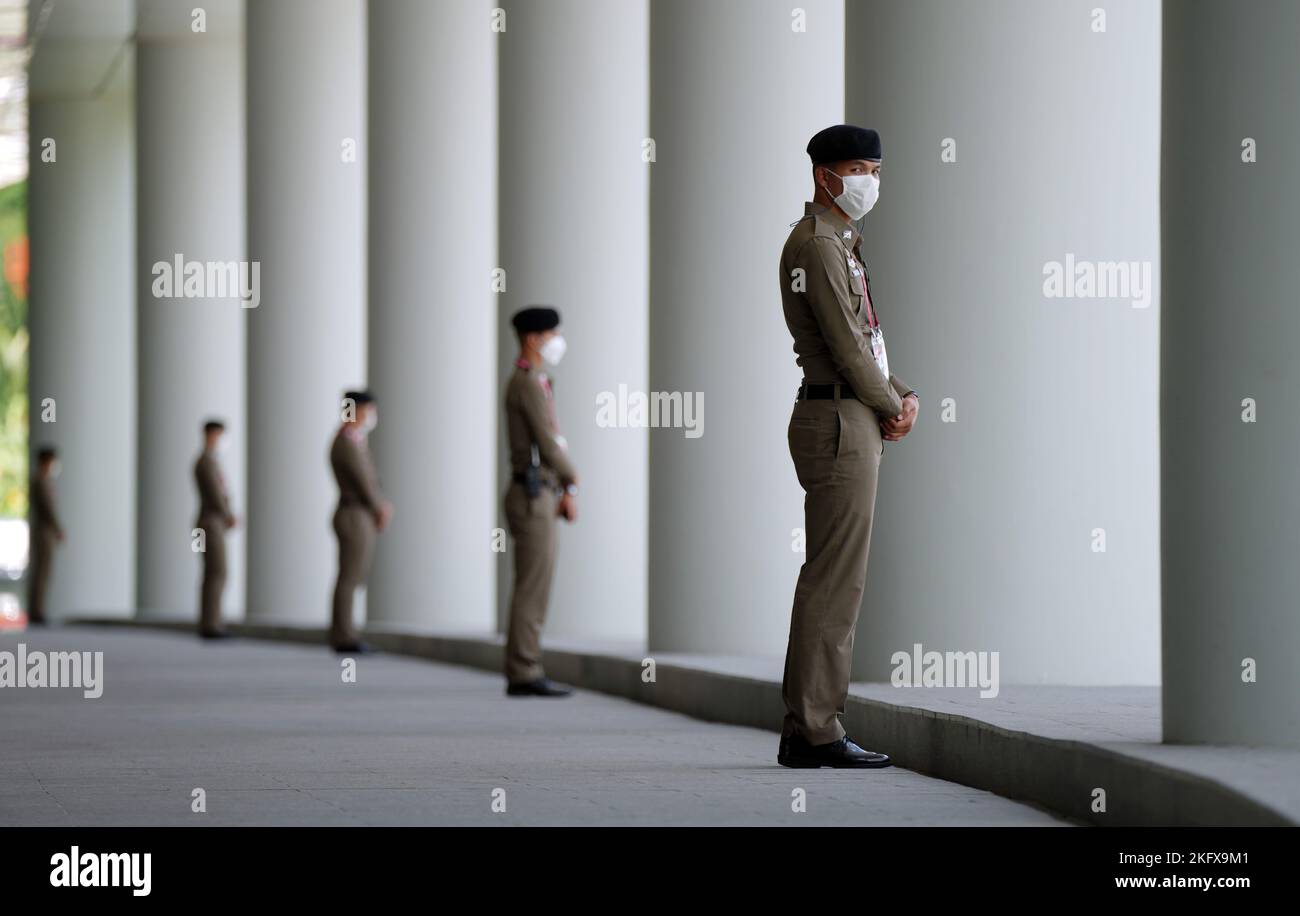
(362, 513)
(46, 532)
(215, 519)
(543, 488)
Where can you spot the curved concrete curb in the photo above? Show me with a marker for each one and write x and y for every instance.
(1060, 775)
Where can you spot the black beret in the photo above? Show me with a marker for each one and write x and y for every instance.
(535, 318)
(844, 141)
(359, 398)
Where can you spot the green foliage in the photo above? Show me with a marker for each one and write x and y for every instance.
(13, 358)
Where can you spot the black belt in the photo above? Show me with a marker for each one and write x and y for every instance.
(824, 392)
(520, 477)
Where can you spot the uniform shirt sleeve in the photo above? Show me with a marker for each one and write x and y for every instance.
(225, 497)
(361, 472)
(210, 490)
(532, 401)
(899, 385)
(832, 304)
(45, 505)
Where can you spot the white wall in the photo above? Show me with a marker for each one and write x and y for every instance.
(984, 526)
(1231, 526)
(735, 95)
(574, 234)
(432, 314)
(81, 318)
(306, 341)
(190, 138)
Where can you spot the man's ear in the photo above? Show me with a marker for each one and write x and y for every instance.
(825, 183)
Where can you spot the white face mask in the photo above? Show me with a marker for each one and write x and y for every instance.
(859, 195)
(371, 421)
(55, 470)
(223, 446)
(553, 350)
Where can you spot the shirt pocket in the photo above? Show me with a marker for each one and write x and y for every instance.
(857, 284)
(857, 293)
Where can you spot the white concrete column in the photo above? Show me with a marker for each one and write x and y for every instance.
(1019, 517)
(1230, 430)
(574, 234)
(81, 314)
(432, 323)
(190, 141)
(306, 340)
(736, 91)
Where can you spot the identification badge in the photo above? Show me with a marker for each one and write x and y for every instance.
(878, 351)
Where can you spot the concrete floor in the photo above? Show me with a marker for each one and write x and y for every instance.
(274, 737)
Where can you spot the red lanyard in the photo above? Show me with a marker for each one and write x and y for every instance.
(872, 321)
(544, 381)
(550, 402)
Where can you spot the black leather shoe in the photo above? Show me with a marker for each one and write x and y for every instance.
(796, 752)
(354, 648)
(542, 687)
(214, 634)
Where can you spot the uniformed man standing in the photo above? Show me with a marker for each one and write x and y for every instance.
(215, 519)
(362, 513)
(847, 406)
(46, 532)
(543, 487)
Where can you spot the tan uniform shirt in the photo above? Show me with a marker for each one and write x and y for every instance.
(213, 500)
(531, 420)
(826, 312)
(354, 470)
(45, 518)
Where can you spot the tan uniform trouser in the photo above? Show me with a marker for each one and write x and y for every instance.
(355, 527)
(214, 573)
(836, 447)
(42, 563)
(532, 525)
